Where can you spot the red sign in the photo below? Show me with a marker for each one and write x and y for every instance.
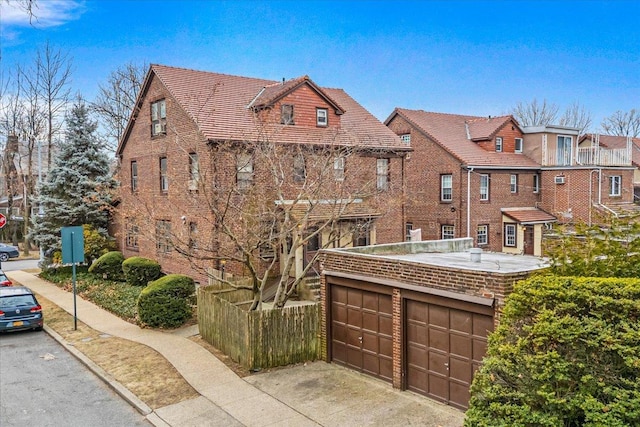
(3, 220)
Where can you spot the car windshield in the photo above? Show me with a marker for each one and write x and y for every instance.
(17, 301)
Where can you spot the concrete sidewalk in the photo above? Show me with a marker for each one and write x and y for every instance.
(331, 395)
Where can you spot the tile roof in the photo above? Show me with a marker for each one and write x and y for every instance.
(273, 92)
(218, 104)
(529, 215)
(456, 133)
(611, 141)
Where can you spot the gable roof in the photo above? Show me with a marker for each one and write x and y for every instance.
(458, 135)
(611, 141)
(220, 106)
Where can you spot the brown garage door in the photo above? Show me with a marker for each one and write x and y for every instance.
(444, 348)
(361, 330)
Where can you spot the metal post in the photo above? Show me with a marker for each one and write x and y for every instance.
(73, 275)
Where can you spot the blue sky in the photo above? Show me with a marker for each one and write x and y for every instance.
(466, 57)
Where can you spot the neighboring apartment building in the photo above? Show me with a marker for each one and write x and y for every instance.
(619, 146)
(190, 138)
(500, 183)
(469, 176)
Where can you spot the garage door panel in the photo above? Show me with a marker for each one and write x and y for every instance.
(460, 369)
(459, 395)
(479, 349)
(482, 325)
(460, 345)
(339, 313)
(438, 316)
(460, 321)
(439, 339)
(444, 347)
(367, 331)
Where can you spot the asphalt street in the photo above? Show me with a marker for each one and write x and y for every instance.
(41, 384)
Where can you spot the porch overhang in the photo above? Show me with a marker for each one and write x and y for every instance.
(529, 215)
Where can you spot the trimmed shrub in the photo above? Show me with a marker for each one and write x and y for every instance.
(139, 271)
(166, 302)
(566, 353)
(109, 266)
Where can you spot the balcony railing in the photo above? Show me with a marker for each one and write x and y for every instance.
(588, 156)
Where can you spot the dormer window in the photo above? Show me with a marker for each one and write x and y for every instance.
(406, 138)
(287, 114)
(158, 118)
(499, 144)
(321, 117)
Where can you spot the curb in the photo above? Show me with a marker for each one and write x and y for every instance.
(131, 398)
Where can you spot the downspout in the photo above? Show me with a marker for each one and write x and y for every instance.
(469, 170)
(600, 186)
(591, 193)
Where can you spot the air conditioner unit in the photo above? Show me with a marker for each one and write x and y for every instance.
(157, 128)
(559, 179)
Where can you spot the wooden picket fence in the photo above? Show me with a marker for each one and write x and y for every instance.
(258, 339)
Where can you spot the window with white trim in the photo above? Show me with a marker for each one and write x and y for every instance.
(484, 187)
(536, 183)
(499, 144)
(406, 138)
(407, 231)
(513, 183)
(382, 173)
(446, 188)
(447, 231)
(519, 145)
(322, 117)
(244, 171)
(510, 235)
(482, 235)
(615, 185)
(158, 118)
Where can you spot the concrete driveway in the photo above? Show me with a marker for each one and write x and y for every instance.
(335, 396)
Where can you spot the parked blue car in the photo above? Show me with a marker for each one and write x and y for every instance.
(19, 309)
(7, 251)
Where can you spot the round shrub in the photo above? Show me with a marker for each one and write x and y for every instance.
(139, 271)
(109, 266)
(165, 302)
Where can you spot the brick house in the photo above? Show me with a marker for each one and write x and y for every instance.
(190, 147)
(502, 184)
(469, 176)
(620, 144)
(579, 177)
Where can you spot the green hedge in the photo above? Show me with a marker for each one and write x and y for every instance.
(166, 302)
(139, 271)
(109, 266)
(566, 353)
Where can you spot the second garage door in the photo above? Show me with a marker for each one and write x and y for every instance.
(361, 330)
(444, 347)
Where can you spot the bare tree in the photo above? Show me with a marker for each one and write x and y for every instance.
(576, 116)
(54, 75)
(28, 6)
(622, 123)
(535, 113)
(116, 99)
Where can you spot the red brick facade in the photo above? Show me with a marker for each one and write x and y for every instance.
(184, 204)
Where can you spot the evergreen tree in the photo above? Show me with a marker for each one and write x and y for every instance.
(78, 188)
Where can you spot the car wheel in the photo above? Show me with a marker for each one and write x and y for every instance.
(4, 257)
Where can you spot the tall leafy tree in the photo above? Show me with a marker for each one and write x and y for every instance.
(77, 190)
